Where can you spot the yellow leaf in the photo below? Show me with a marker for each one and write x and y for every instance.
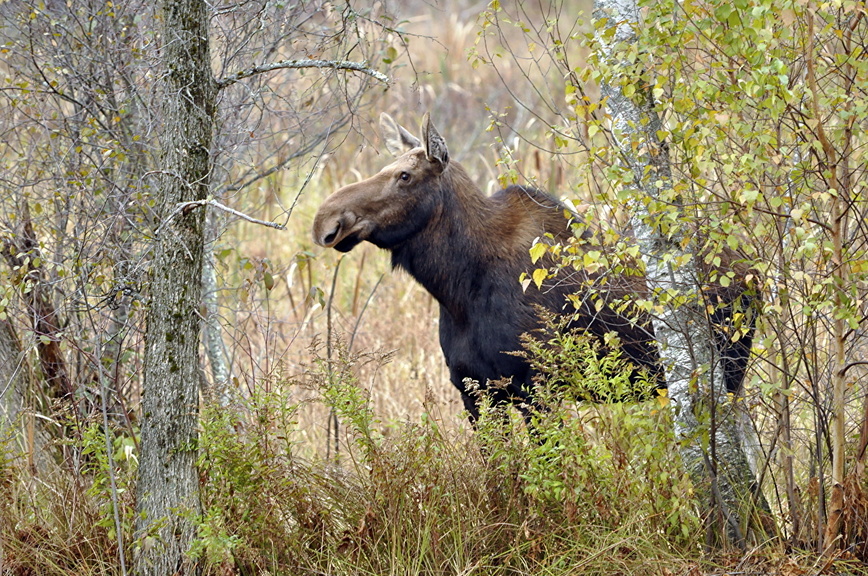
(537, 251)
(539, 275)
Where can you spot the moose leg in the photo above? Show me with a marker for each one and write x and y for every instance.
(734, 358)
(734, 355)
(499, 403)
(472, 407)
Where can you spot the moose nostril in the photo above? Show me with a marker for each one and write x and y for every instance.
(330, 237)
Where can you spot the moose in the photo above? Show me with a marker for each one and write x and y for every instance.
(468, 251)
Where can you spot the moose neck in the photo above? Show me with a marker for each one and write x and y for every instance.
(455, 256)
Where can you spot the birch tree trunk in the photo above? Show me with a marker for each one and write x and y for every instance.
(214, 348)
(168, 485)
(719, 466)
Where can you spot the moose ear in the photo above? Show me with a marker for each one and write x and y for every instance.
(398, 139)
(433, 143)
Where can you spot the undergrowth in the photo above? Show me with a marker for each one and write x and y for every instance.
(596, 489)
(57, 514)
(591, 489)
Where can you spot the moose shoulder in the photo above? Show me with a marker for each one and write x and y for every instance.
(468, 250)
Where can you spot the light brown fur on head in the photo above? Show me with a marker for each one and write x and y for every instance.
(384, 200)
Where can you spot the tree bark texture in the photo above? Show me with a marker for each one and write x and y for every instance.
(168, 487)
(719, 468)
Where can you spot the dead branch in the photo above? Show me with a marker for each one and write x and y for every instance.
(299, 64)
(185, 206)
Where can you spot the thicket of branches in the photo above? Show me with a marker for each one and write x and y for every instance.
(762, 118)
(81, 161)
(96, 140)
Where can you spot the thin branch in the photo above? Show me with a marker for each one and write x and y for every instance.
(297, 64)
(844, 370)
(297, 154)
(362, 313)
(184, 206)
(333, 415)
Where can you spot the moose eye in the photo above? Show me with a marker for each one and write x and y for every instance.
(404, 176)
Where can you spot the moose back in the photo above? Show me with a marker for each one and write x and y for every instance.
(468, 250)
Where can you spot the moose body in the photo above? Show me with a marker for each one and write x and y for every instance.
(469, 250)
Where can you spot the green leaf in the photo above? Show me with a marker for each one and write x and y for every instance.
(391, 55)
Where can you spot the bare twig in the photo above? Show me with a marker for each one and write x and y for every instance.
(844, 370)
(362, 313)
(333, 415)
(182, 206)
(298, 64)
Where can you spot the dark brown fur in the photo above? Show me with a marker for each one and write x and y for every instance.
(468, 251)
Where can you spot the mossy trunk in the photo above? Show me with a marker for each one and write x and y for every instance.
(168, 485)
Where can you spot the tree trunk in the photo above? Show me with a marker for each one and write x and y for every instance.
(168, 486)
(214, 348)
(720, 470)
(836, 510)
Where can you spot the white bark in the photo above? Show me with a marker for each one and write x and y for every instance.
(694, 378)
(214, 347)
